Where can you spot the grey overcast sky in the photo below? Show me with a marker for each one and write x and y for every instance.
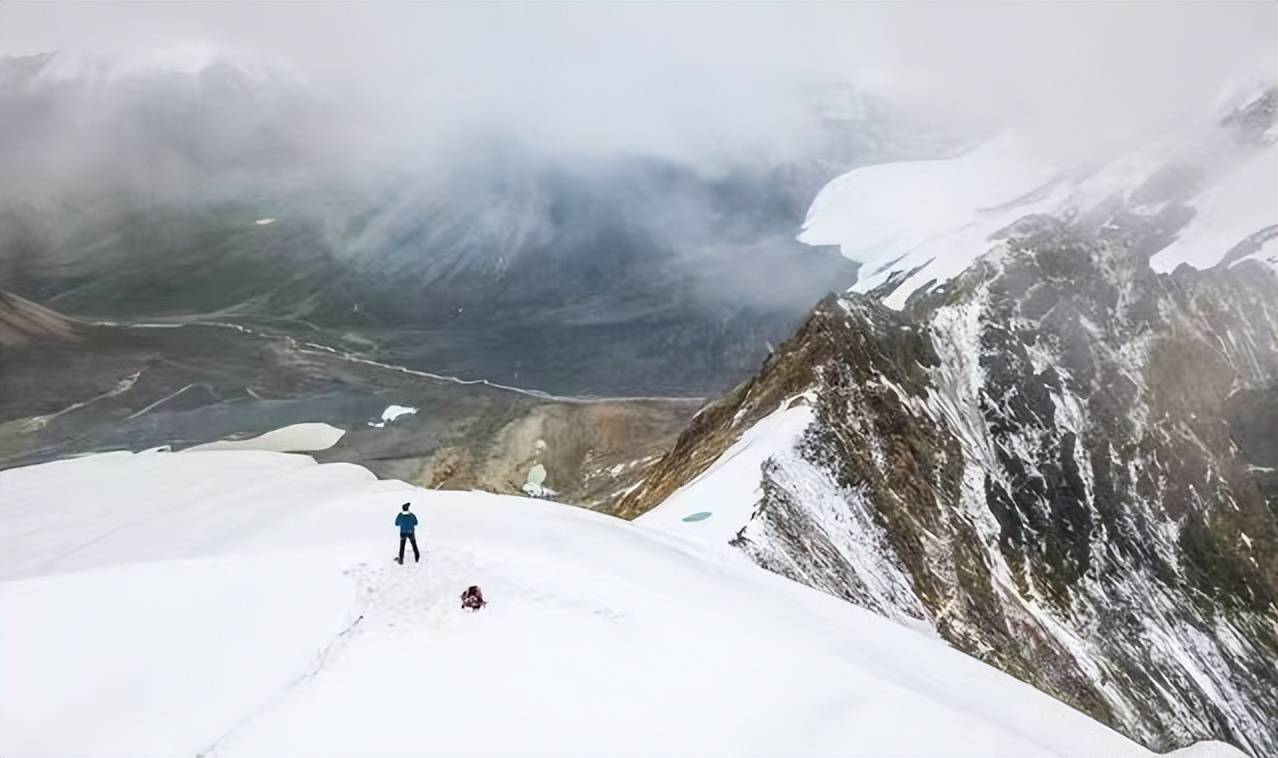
(688, 76)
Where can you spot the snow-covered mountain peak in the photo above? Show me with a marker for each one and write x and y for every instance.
(915, 224)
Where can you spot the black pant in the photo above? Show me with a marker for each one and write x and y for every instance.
(417, 556)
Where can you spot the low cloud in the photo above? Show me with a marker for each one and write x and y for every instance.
(700, 80)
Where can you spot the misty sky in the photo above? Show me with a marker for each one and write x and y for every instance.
(692, 78)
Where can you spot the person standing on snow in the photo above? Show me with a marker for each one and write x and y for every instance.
(407, 524)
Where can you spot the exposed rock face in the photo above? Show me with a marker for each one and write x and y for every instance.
(1061, 460)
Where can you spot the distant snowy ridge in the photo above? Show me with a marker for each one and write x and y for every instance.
(917, 224)
(82, 67)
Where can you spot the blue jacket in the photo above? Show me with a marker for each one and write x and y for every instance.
(406, 523)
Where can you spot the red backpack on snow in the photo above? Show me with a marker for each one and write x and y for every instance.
(472, 598)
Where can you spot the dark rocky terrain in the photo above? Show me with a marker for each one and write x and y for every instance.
(69, 387)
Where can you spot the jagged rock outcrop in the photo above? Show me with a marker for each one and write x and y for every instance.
(1061, 461)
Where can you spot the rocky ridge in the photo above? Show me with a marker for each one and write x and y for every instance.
(1061, 460)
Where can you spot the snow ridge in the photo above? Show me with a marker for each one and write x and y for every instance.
(310, 641)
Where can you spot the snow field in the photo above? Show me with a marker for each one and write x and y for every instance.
(246, 603)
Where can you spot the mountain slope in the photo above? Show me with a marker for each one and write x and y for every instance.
(1057, 458)
(273, 621)
(22, 323)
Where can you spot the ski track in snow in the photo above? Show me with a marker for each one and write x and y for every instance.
(410, 601)
(322, 659)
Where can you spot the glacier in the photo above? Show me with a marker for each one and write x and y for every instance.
(915, 224)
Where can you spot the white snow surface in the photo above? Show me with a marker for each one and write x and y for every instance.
(295, 438)
(1245, 201)
(938, 215)
(245, 603)
(729, 489)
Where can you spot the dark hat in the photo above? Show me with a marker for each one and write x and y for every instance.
(405, 506)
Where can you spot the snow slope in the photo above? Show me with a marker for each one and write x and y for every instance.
(712, 508)
(924, 222)
(236, 603)
(937, 214)
(1243, 202)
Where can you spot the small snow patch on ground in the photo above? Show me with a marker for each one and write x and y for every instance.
(391, 413)
(296, 438)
